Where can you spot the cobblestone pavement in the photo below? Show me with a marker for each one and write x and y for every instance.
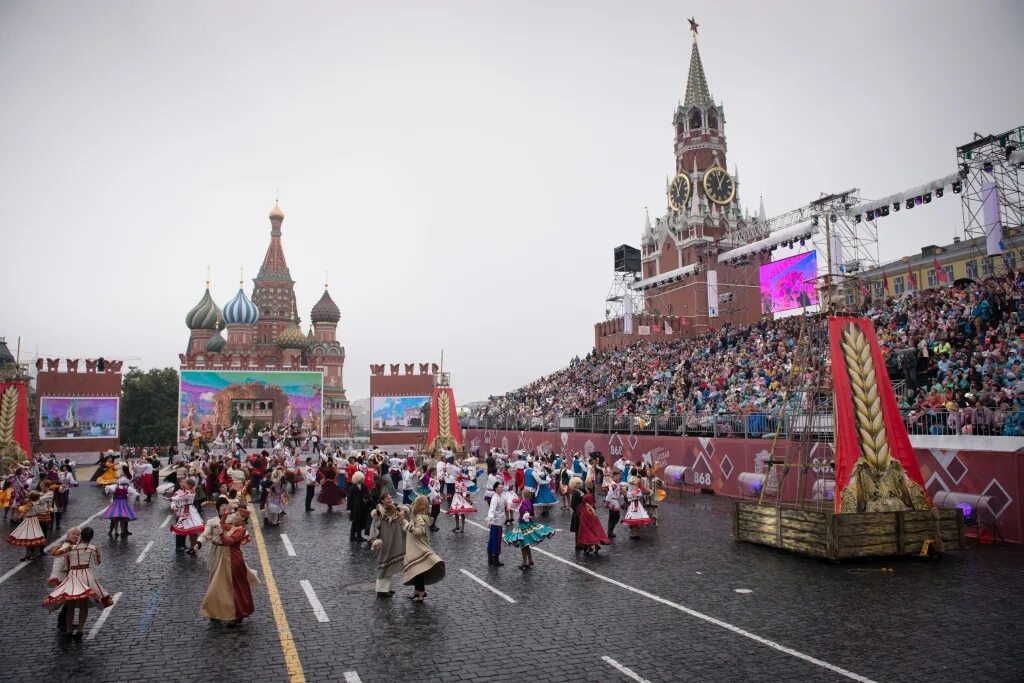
(664, 608)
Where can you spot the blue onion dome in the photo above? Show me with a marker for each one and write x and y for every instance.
(215, 343)
(205, 315)
(325, 310)
(241, 310)
(291, 337)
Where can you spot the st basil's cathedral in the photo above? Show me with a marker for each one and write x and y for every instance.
(263, 332)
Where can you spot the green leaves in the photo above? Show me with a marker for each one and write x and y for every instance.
(149, 407)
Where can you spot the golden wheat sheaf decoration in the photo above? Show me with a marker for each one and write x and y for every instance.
(9, 448)
(867, 403)
(444, 424)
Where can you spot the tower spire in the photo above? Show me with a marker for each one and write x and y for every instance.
(697, 92)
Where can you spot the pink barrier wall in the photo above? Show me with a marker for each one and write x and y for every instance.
(716, 463)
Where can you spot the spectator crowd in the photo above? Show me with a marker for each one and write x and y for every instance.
(955, 354)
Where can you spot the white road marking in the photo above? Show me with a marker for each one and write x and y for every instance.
(743, 590)
(167, 520)
(103, 617)
(142, 555)
(318, 609)
(704, 617)
(487, 586)
(22, 565)
(352, 677)
(625, 671)
(288, 547)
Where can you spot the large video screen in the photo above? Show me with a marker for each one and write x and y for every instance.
(398, 413)
(789, 283)
(211, 400)
(78, 418)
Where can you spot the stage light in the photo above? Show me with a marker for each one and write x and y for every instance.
(957, 186)
(910, 203)
(802, 242)
(987, 167)
(964, 170)
(885, 210)
(939, 192)
(871, 215)
(895, 206)
(856, 219)
(927, 197)
(774, 247)
(833, 218)
(917, 201)
(814, 221)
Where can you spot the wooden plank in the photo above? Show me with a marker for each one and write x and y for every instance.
(803, 526)
(866, 519)
(866, 541)
(762, 539)
(812, 549)
(804, 515)
(753, 509)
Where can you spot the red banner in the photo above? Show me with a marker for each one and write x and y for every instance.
(14, 434)
(444, 430)
(883, 413)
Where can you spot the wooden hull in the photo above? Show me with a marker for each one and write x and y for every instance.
(823, 533)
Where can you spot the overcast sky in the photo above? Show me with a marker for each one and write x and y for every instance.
(462, 169)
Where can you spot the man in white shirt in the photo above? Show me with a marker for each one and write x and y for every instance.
(496, 524)
(309, 476)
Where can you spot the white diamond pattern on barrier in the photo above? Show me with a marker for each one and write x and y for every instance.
(632, 440)
(935, 484)
(726, 466)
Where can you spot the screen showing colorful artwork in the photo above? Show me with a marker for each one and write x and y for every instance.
(789, 283)
(78, 418)
(399, 413)
(210, 401)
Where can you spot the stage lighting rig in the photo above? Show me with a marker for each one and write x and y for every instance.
(927, 198)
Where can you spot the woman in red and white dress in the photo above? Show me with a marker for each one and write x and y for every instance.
(79, 587)
(187, 522)
(636, 515)
(461, 504)
(29, 534)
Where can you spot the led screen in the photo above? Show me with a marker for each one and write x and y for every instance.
(789, 283)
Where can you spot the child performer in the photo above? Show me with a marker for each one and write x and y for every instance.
(528, 533)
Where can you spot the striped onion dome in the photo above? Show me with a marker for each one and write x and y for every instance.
(325, 310)
(205, 315)
(291, 337)
(241, 310)
(215, 343)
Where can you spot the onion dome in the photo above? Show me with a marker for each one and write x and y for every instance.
(241, 310)
(291, 337)
(205, 315)
(215, 344)
(276, 212)
(325, 310)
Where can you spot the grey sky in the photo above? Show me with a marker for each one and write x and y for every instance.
(463, 169)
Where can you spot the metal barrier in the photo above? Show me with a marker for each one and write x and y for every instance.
(794, 426)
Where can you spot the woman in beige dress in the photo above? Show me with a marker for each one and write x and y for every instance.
(422, 565)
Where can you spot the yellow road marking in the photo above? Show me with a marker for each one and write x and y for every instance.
(291, 655)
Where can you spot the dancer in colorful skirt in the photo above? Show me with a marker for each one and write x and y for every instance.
(636, 516)
(590, 535)
(29, 534)
(111, 472)
(545, 498)
(229, 595)
(80, 586)
(330, 493)
(188, 523)
(120, 511)
(461, 504)
(528, 532)
(422, 565)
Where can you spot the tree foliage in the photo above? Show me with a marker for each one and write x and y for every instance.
(149, 407)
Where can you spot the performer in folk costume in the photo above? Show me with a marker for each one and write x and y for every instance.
(147, 478)
(111, 473)
(29, 534)
(358, 506)
(422, 566)
(562, 479)
(636, 515)
(590, 535)
(575, 499)
(613, 501)
(388, 541)
(188, 523)
(59, 570)
(79, 586)
(330, 493)
(528, 532)
(229, 595)
(277, 499)
(461, 504)
(120, 511)
(495, 523)
(435, 497)
(545, 498)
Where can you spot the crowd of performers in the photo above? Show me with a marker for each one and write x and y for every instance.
(394, 502)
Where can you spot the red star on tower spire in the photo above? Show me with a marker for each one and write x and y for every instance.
(693, 27)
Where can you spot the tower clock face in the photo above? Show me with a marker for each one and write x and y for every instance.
(679, 192)
(719, 185)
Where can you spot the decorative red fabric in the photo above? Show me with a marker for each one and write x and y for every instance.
(21, 433)
(847, 442)
(435, 427)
